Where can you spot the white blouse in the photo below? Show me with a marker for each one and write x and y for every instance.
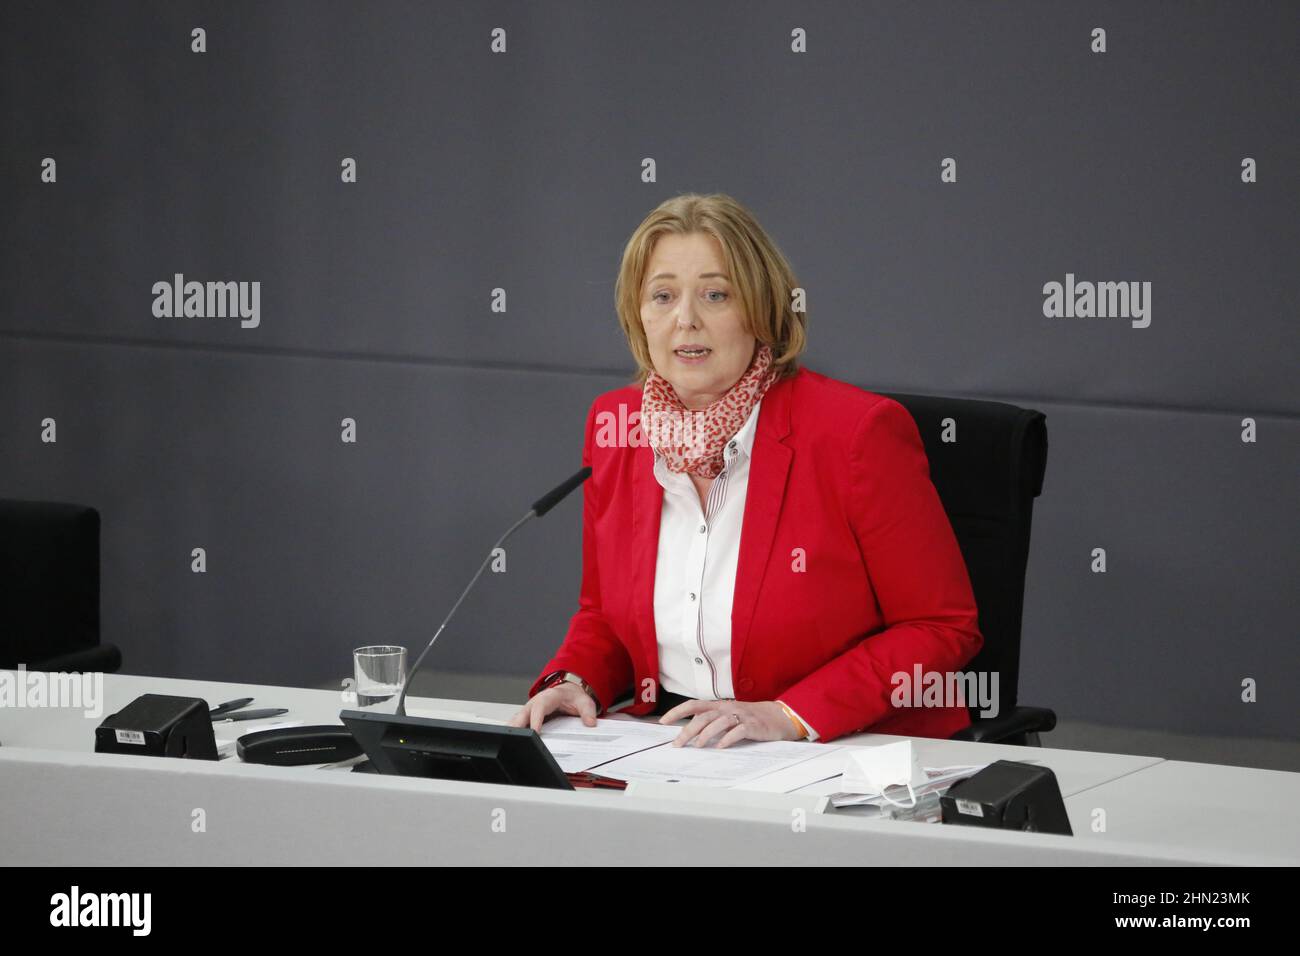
(695, 574)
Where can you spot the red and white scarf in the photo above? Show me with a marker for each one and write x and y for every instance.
(692, 440)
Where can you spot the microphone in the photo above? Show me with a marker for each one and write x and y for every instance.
(543, 504)
(553, 497)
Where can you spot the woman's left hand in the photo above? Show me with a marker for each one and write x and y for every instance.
(729, 721)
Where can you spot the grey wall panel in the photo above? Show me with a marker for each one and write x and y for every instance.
(521, 171)
(314, 546)
(1199, 593)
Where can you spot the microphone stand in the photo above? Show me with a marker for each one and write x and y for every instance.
(401, 700)
(539, 508)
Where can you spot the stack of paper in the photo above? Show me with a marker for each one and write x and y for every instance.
(937, 781)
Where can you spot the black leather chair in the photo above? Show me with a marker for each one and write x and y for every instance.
(49, 588)
(988, 480)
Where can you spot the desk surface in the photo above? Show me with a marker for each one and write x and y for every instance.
(68, 729)
(1207, 805)
(1155, 810)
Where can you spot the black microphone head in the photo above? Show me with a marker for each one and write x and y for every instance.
(553, 497)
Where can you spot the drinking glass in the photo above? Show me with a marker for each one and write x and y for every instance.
(379, 671)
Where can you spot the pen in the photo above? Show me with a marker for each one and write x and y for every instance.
(586, 778)
(251, 715)
(222, 709)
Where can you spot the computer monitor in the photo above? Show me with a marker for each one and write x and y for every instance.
(455, 750)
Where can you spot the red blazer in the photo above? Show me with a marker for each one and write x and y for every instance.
(839, 476)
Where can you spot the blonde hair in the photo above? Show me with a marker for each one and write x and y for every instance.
(759, 271)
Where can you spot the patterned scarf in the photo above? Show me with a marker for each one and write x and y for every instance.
(692, 441)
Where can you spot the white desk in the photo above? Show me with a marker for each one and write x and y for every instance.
(1219, 810)
(62, 803)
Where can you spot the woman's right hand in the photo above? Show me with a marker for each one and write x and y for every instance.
(564, 698)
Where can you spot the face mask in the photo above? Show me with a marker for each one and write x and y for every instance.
(869, 770)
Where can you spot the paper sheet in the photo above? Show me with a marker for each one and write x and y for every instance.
(576, 747)
(826, 764)
(733, 766)
(937, 780)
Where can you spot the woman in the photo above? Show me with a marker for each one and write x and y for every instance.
(766, 551)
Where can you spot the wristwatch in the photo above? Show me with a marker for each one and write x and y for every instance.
(559, 677)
